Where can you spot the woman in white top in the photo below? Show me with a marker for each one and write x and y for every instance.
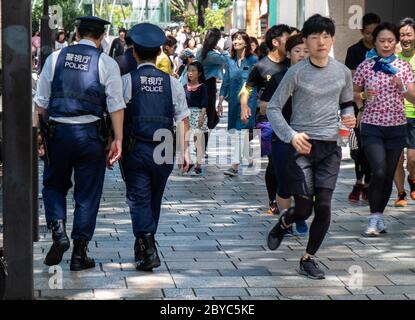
(60, 42)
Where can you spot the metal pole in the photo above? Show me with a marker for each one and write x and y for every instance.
(123, 12)
(300, 13)
(45, 35)
(17, 134)
(35, 185)
(106, 10)
(100, 7)
(112, 10)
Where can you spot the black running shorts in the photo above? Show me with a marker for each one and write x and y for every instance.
(319, 169)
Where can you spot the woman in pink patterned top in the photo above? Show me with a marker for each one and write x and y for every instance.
(386, 81)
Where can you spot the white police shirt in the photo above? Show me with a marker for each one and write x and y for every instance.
(109, 76)
(181, 110)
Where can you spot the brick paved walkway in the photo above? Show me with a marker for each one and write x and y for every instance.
(211, 240)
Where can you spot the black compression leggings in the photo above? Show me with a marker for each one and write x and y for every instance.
(322, 216)
(271, 180)
(362, 167)
(383, 165)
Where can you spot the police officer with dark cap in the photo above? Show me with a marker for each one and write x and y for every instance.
(155, 100)
(127, 62)
(76, 86)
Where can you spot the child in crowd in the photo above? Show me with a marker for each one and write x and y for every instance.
(197, 100)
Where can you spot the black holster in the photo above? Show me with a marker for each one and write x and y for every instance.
(46, 131)
(105, 129)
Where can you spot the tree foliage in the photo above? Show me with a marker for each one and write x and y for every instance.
(118, 19)
(193, 12)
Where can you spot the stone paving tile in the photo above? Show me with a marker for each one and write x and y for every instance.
(299, 297)
(200, 265)
(263, 292)
(313, 292)
(178, 293)
(392, 290)
(146, 280)
(349, 297)
(67, 294)
(388, 297)
(136, 293)
(208, 282)
(244, 272)
(85, 283)
(221, 292)
(260, 298)
(402, 279)
(291, 282)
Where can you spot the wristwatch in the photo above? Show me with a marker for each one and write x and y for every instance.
(405, 89)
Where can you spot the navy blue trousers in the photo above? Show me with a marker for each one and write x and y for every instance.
(75, 149)
(145, 182)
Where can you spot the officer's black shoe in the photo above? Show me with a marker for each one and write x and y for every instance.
(79, 260)
(278, 232)
(150, 258)
(139, 249)
(60, 244)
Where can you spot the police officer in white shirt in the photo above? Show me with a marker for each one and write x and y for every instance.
(155, 100)
(77, 85)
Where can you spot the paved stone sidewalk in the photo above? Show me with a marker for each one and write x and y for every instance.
(211, 240)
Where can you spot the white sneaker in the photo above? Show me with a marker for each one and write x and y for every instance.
(381, 224)
(372, 226)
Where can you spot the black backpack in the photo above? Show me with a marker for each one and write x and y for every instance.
(3, 274)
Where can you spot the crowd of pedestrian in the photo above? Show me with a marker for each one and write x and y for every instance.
(288, 86)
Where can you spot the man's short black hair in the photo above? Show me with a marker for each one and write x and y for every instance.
(122, 30)
(90, 31)
(146, 54)
(275, 32)
(370, 18)
(386, 26)
(318, 24)
(407, 22)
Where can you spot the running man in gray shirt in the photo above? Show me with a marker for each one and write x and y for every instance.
(319, 87)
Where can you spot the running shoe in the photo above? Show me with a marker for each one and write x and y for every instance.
(354, 196)
(277, 233)
(372, 226)
(310, 268)
(197, 171)
(301, 228)
(412, 186)
(401, 201)
(231, 172)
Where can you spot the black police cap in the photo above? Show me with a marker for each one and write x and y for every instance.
(92, 22)
(147, 35)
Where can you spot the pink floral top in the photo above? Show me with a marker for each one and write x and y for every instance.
(387, 109)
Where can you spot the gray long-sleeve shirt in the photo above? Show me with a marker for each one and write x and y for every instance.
(317, 94)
